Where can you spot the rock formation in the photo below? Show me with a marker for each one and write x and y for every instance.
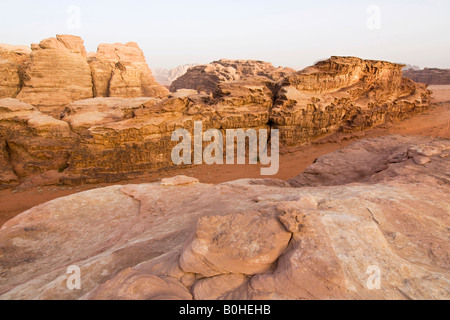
(120, 70)
(12, 60)
(119, 138)
(429, 76)
(207, 78)
(248, 239)
(57, 74)
(58, 71)
(344, 94)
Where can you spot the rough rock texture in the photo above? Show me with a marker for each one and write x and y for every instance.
(58, 71)
(120, 70)
(83, 114)
(374, 160)
(157, 242)
(121, 138)
(12, 60)
(429, 76)
(31, 142)
(344, 94)
(58, 74)
(207, 77)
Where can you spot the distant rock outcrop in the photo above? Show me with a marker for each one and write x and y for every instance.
(167, 76)
(429, 76)
(381, 232)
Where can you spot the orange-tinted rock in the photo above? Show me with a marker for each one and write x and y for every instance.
(34, 142)
(57, 74)
(344, 94)
(120, 70)
(12, 60)
(133, 285)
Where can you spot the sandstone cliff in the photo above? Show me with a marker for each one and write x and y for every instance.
(12, 61)
(118, 138)
(248, 239)
(206, 78)
(58, 71)
(31, 142)
(57, 74)
(120, 70)
(344, 94)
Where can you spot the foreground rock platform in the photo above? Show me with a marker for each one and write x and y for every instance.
(317, 237)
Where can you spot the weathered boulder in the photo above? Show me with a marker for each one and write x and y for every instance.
(379, 159)
(244, 243)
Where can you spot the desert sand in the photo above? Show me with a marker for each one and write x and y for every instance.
(434, 122)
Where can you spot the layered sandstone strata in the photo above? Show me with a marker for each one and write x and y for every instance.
(31, 142)
(58, 73)
(12, 61)
(250, 239)
(120, 70)
(120, 138)
(206, 78)
(344, 94)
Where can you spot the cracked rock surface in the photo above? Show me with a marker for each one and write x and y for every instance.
(248, 239)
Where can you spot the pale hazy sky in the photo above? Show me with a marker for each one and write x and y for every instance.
(284, 32)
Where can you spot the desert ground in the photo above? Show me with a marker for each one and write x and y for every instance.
(434, 122)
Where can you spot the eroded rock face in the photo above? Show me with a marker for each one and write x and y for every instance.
(167, 76)
(58, 71)
(57, 74)
(247, 239)
(344, 94)
(120, 70)
(12, 61)
(120, 138)
(206, 78)
(31, 142)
